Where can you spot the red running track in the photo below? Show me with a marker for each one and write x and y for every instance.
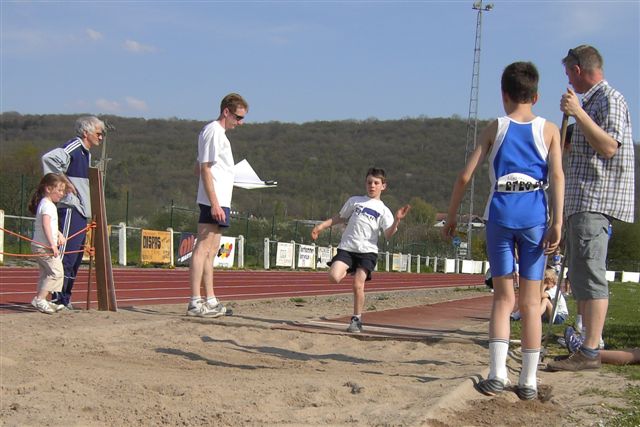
(143, 286)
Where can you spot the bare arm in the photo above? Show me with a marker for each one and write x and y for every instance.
(477, 157)
(400, 214)
(334, 220)
(556, 188)
(597, 138)
(46, 226)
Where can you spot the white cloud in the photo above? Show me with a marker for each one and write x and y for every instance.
(94, 35)
(136, 104)
(136, 47)
(108, 106)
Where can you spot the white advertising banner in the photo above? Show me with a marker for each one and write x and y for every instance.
(226, 253)
(405, 263)
(284, 255)
(324, 256)
(396, 262)
(306, 256)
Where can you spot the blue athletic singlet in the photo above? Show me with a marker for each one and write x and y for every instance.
(518, 174)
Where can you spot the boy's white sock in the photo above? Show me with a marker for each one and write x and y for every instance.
(358, 316)
(195, 300)
(529, 368)
(212, 301)
(498, 349)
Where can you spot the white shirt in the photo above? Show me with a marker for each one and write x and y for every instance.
(366, 218)
(45, 207)
(215, 148)
(561, 306)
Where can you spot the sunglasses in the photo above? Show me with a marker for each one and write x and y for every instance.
(237, 116)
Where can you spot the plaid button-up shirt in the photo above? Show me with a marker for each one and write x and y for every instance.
(593, 183)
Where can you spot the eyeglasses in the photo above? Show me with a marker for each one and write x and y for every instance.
(99, 134)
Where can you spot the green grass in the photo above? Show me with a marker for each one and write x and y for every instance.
(621, 330)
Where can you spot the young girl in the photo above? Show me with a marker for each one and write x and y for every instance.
(45, 233)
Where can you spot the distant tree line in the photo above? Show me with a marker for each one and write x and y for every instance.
(150, 172)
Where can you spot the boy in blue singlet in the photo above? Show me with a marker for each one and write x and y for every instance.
(524, 158)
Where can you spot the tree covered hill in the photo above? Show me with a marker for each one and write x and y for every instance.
(317, 164)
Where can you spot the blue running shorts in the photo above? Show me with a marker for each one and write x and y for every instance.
(501, 246)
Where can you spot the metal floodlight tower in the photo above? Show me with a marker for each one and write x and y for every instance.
(472, 121)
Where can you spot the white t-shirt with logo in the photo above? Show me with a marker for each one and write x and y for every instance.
(215, 148)
(367, 217)
(45, 207)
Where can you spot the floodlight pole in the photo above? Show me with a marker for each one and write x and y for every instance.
(472, 121)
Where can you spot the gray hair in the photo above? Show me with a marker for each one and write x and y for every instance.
(586, 57)
(88, 124)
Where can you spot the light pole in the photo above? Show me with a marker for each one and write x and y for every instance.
(472, 121)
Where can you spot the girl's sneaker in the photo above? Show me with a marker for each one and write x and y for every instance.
(42, 305)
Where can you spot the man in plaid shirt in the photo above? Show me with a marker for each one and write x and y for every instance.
(599, 188)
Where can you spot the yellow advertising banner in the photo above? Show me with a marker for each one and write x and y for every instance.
(156, 247)
(86, 255)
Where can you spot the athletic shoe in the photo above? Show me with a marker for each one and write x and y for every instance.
(355, 326)
(575, 362)
(210, 310)
(57, 307)
(492, 386)
(572, 340)
(42, 305)
(526, 393)
(195, 308)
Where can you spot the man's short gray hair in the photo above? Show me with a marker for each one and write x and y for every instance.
(88, 124)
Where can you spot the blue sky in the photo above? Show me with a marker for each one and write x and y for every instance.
(300, 61)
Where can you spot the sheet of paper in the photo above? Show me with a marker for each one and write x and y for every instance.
(246, 177)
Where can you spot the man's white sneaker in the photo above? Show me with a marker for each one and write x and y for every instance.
(195, 308)
(210, 310)
(42, 305)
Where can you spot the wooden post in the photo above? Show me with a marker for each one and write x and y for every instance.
(105, 287)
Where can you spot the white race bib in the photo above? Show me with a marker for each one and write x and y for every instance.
(518, 183)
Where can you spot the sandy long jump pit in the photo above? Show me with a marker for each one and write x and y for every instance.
(269, 365)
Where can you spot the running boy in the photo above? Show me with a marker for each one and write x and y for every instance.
(524, 157)
(365, 217)
(46, 240)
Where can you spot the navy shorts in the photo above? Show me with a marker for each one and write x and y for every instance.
(354, 260)
(206, 218)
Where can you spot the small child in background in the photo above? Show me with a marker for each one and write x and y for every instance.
(46, 239)
(547, 294)
(549, 290)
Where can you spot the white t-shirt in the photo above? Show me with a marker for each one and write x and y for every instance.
(366, 218)
(561, 307)
(214, 147)
(45, 207)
